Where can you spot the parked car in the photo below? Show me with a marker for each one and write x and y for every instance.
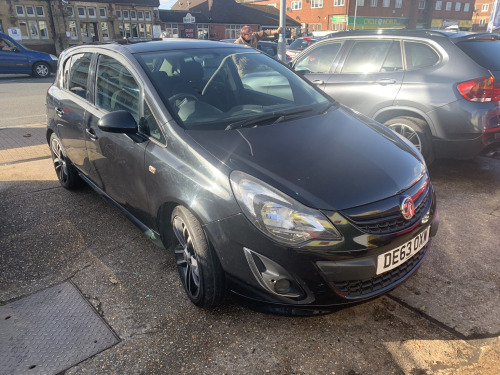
(280, 195)
(269, 48)
(441, 90)
(298, 45)
(17, 59)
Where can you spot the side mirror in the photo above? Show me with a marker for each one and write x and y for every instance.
(118, 122)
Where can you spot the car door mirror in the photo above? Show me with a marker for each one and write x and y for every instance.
(118, 122)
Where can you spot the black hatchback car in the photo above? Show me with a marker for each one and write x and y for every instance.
(266, 188)
(441, 90)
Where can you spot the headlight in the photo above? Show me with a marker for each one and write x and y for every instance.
(53, 57)
(279, 216)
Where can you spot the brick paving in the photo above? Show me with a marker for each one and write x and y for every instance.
(23, 143)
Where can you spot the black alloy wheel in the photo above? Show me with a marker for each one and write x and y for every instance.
(199, 268)
(66, 172)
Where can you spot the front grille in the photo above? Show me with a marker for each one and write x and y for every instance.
(394, 223)
(362, 288)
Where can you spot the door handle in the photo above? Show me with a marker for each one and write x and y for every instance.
(91, 134)
(59, 112)
(386, 81)
(318, 82)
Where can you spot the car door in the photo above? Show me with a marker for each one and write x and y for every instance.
(70, 102)
(318, 63)
(13, 60)
(369, 76)
(117, 159)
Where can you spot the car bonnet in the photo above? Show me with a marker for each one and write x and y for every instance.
(332, 161)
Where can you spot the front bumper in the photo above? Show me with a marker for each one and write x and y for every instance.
(320, 277)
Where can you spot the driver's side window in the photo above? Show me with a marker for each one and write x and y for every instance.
(116, 87)
(319, 59)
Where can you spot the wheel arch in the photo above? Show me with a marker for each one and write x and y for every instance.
(43, 62)
(389, 113)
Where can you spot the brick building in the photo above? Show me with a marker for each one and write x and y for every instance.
(481, 15)
(53, 25)
(317, 15)
(219, 19)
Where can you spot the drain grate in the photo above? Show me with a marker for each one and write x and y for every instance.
(50, 331)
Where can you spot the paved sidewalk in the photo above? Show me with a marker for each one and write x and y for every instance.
(23, 143)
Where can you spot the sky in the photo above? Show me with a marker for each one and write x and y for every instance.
(167, 4)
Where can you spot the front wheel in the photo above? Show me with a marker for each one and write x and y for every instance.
(199, 268)
(416, 131)
(41, 70)
(66, 172)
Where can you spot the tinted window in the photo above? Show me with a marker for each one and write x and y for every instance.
(367, 56)
(116, 87)
(393, 61)
(319, 59)
(267, 49)
(76, 73)
(301, 43)
(484, 52)
(420, 55)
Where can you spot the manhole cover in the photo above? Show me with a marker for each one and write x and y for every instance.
(50, 331)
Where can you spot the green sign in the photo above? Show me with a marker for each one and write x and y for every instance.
(337, 19)
(378, 23)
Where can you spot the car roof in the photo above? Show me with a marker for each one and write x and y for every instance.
(160, 45)
(453, 36)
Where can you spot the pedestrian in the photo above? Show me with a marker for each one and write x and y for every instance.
(250, 38)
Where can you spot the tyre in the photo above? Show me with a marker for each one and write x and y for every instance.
(416, 131)
(199, 268)
(41, 70)
(66, 172)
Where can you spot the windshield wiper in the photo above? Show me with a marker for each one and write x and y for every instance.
(279, 116)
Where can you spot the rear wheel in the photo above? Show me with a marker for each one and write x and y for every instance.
(199, 268)
(41, 70)
(416, 131)
(66, 172)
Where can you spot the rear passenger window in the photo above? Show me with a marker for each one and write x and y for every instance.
(319, 59)
(420, 55)
(367, 56)
(76, 72)
(116, 87)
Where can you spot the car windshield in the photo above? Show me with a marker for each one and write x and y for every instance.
(229, 88)
(301, 43)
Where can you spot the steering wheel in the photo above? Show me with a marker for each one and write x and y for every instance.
(181, 95)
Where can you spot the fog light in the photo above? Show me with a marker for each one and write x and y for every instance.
(426, 217)
(282, 286)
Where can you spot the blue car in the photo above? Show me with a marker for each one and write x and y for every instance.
(17, 59)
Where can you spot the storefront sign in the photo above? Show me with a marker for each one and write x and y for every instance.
(337, 19)
(189, 19)
(366, 23)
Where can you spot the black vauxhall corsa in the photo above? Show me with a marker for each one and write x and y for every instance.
(268, 189)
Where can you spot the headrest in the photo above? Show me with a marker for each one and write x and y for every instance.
(192, 71)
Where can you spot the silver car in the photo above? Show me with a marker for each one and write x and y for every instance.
(440, 90)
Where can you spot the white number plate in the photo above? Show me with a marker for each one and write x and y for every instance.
(393, 258)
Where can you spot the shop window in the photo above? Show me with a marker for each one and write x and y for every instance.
(44, 31)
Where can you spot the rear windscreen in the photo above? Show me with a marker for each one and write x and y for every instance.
(484, 52)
